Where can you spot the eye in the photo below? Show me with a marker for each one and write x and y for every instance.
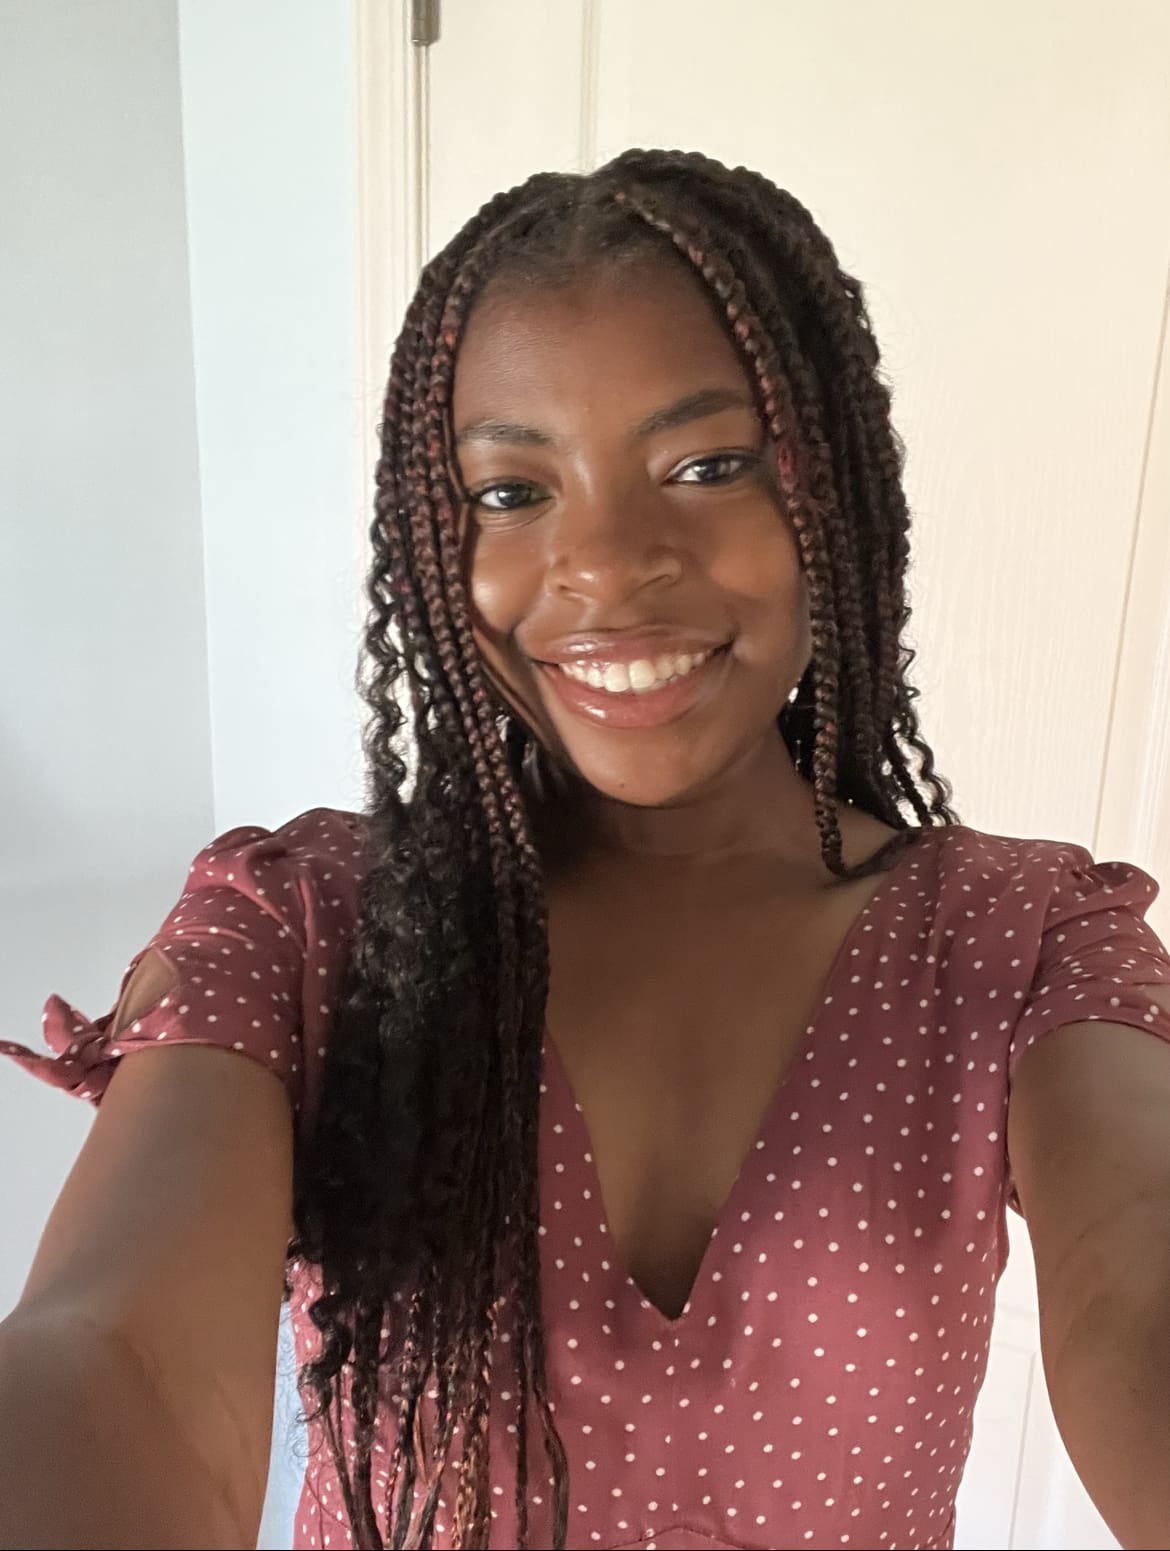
(714, 468)
(507, 495)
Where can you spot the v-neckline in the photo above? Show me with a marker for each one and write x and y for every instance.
(556, 1075)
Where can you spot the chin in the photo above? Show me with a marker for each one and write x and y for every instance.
(652, 781)
(644, 794)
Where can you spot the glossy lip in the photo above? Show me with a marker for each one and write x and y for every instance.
(601, 648)
(654, 708)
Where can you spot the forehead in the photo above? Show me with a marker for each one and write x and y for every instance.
(641, 334)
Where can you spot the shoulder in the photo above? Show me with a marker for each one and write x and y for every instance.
(314, 834)
(1017, 873)
(314, 861)
(995, 915)
(250, 956)
(1045, 932)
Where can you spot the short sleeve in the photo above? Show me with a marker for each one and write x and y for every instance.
(1097, 952)
(258, 941)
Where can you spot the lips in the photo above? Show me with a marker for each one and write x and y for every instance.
(606, 648)
(626, 699)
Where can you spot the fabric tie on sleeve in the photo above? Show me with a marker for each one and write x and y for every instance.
(257, 941)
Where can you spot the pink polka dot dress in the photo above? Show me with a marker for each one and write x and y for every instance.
(817, 1390)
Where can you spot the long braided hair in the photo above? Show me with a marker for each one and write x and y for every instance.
(417, 1199)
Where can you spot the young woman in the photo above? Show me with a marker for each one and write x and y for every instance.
(649, 1038)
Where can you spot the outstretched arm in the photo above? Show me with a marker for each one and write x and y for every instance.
(1089, 1141)
(137, 1372)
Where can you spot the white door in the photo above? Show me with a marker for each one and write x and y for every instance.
(996, 175)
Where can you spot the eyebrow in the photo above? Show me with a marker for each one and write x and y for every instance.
(695, 406)
(504, 431)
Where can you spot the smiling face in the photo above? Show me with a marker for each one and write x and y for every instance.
(636, 589)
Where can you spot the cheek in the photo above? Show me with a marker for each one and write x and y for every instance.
(760, 569)
(500, 585)
(504, 585)
(503, 582)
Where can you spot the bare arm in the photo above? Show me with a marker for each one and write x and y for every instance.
(89, 1455)
(1089, 1137)
(136, 1373)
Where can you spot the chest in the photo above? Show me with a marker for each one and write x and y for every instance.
(676, 1024)
(836, 1331)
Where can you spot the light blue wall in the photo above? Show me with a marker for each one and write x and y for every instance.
(269, 123)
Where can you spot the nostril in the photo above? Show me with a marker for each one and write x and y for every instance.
(596, 574)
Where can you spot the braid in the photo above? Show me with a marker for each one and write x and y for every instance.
(418, 1195)
(523, 1066)
(809, 496)
(867, 448)
(834, 477)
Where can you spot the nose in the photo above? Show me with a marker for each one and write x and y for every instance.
(608, 549)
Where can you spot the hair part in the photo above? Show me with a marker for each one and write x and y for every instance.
(417, 1199)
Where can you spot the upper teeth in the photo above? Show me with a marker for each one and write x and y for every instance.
(639, 676)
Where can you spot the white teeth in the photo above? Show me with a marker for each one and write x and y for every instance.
(638, 677)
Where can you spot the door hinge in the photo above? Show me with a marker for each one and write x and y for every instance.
(424, 22)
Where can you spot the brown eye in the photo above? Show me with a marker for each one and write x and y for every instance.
(716, 468)
(509, 495)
